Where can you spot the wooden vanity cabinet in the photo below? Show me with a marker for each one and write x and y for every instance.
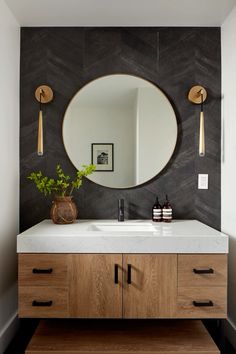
(122, 285)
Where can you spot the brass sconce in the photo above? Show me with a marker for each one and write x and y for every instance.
(43, 94)
(198, 95)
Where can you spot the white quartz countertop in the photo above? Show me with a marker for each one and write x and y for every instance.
(131, 236)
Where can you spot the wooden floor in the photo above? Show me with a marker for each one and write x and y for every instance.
(121, 337)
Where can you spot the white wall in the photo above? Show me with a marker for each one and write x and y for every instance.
(9, 175)
(228, 169)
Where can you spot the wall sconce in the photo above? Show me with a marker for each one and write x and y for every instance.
(198, 95)
(43, 94)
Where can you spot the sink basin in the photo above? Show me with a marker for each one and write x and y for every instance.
(120, 226)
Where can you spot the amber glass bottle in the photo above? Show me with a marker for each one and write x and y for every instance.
(167, 211)
(157, 211)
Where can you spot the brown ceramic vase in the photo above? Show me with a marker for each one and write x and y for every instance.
(63, 210)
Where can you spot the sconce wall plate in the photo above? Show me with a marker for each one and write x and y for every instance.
(194, 94)
(46, 94)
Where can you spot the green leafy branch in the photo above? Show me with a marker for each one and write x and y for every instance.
(62, 185)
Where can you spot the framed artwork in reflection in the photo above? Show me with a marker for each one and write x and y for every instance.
(103, 156)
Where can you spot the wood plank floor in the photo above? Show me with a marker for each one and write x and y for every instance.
(121, 337)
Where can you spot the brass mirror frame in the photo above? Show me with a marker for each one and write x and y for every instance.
(159, 90)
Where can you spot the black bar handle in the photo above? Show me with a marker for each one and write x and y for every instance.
(203, 271)
(116, 278)
(203, 303)
(42, 303)
(129, 274)
(42, 271)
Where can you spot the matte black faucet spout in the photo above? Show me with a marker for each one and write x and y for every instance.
(121, 210)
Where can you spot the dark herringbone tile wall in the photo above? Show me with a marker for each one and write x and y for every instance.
(172, 58)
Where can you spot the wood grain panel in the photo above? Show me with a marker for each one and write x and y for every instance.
(132, 337)
(186, 296)
(152, 292)
(58, 296)
(57, 262)
(217, 262)
(93, 292)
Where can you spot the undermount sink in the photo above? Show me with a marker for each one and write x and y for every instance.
(120, 226)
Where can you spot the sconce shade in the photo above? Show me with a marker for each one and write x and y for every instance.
(40, 134)
(202, 136)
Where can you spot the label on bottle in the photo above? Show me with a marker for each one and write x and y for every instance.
(167, 211)
(157, 211)
(156, 214)
(167, 214)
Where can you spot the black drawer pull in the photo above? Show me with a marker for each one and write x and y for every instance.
(116, 278)
(203, 271)
(42, 271)
(203, 303)
(42, 303)
(129, 274)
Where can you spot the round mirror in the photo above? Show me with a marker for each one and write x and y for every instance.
(124, 125)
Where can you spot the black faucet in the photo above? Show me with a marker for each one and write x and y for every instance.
(121, 210)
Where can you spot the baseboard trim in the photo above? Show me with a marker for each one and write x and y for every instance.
(8, 331)
(230, 331)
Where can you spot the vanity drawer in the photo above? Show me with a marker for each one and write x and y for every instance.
(43, 269)
(202, 270)
(43, 302)
(202, 302)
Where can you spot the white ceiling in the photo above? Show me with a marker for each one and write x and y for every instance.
(120, 12)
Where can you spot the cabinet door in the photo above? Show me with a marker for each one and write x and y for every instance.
(95, 286)
(150, 285)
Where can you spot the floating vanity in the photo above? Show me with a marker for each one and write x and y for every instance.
(133, 269)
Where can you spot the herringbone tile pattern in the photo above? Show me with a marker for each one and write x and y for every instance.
(172, 58)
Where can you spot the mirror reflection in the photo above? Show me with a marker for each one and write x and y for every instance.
(123, 124)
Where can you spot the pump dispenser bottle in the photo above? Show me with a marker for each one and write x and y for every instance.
(156, 211)
(167, 211)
